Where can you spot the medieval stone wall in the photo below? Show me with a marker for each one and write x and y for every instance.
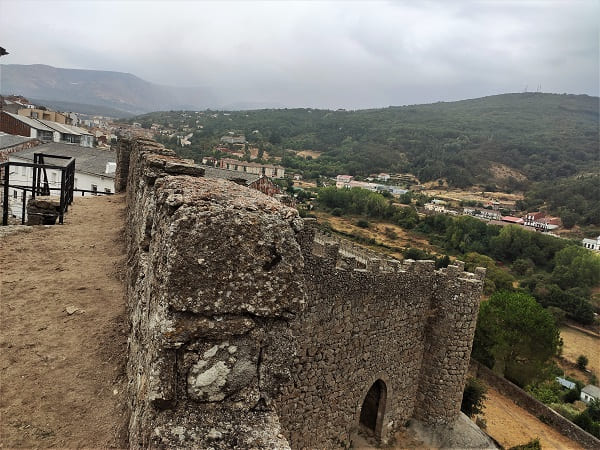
(250, 329)
(404, 324)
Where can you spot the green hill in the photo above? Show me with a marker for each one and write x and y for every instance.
(543, 136)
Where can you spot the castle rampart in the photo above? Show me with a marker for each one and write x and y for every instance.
(251, 329)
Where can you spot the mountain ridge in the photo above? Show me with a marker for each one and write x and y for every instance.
(121, 91)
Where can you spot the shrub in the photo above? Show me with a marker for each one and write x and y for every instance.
(546, 392)
(390, 234)
(582, 362)
(567, 411)
(473, 397)
(362, 223)
(571, 396)
(533, 444)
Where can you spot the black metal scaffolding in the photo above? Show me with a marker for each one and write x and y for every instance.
(39, 185)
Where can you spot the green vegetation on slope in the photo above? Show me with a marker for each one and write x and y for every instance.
(544, 136)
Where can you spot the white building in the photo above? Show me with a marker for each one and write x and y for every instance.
(590, 393)
(94, 170)
(592, 244)
(267, 170)
(45, 130)
(343, 181)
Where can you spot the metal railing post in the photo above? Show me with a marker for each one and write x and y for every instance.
(24, 206)
(5, 206)
(62, 197)
(34, 181)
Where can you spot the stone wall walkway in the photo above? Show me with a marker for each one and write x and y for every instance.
(63, 331)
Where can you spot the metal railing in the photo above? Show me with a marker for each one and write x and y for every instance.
(39, 185)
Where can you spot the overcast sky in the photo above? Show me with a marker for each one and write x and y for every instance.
(319, 54)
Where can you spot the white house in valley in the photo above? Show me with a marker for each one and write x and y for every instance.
(590, 393)
(592, 244)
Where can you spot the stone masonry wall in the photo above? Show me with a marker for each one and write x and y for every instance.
(212, 286)
(251, 329)
(405, 324)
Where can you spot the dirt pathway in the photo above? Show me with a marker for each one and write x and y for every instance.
(511, 425)
(63, 331)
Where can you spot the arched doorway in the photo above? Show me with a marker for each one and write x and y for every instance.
(373, 409)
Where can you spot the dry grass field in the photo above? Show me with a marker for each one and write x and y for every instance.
(511, 425)
(382, 233)
(579, 343)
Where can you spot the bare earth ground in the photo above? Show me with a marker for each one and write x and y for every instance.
(580, 343)
(312, 153)
(62, 376)
(511, 425)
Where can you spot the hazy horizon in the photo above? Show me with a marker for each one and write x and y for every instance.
(351, 55)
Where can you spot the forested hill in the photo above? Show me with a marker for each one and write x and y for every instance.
(543, 136)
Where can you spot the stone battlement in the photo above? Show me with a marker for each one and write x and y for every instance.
(251, 329)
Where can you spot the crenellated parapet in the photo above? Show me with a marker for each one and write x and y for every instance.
(251, 328)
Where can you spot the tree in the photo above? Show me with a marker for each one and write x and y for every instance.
(582, 361)
(473, 397)
(515, 336)
(576, 266)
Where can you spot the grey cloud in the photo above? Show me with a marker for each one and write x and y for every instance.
(321, 54)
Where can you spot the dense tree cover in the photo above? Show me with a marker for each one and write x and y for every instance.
(575, 200)
(576, 267)
(496, 279)
(556, 272)
(515, 336)
(543, 135)
(370, 204)
(589, 419)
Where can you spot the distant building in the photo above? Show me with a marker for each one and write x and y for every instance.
(69, 134)
(24, 126)
(44, 130)
(514, 220)
(43, 114)
(10, 143)
(532, 218)
(565, 383)
(343, 181)
(592, 244)
(383, 177)
(267, 170)
(233, 139)
(210, 161)
(485, 214)
(13, 103)
(590, 393)
(253, 181)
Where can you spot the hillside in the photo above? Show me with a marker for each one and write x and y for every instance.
(121, 91)
(540, 136)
